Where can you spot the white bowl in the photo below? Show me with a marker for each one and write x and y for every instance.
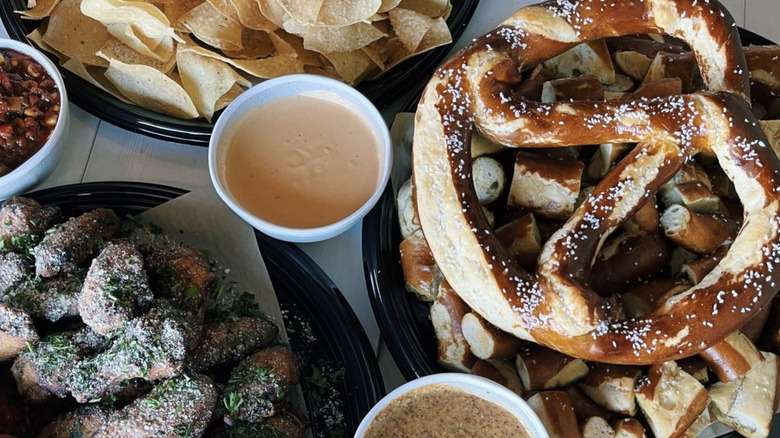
(476, 385)
(277, 88)
(43, 162)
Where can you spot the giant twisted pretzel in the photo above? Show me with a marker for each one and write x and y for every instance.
(554, 306)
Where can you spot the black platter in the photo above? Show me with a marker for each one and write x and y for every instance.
(403, 320)
(411, 75)
(327, 336)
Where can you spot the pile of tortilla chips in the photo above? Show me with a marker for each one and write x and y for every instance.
(191, 58)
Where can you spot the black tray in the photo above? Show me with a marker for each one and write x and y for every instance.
(326, 334)
(403, 320)
(410, 75)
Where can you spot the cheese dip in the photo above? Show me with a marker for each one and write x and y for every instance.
(302, 161)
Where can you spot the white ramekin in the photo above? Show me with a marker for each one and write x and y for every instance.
(277, 88)
(43, 162)
(479, 386)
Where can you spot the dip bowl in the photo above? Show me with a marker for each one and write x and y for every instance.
(36, 168)
(302, 85)
(475, 385)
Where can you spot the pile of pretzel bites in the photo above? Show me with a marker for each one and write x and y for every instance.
(594, 216)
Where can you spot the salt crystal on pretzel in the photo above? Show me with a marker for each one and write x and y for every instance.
(553, 306)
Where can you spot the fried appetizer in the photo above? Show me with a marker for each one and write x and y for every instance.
(23, 221)
(116, 288)
(41, 369)
(230, 341)
(47, 298)
(150, 347)
(73, 242)
(16, 332)
(182, 275)
(282, 425)
(179, 407)
(84, 422)
(13, 270)
(259, 384)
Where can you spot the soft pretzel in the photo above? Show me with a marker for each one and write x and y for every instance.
(554, 306)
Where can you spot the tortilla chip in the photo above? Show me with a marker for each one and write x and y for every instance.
(438, 35)
(265, 68)
(340, 39)
(226, 8)
(286, 44)
(161, 50)
(206, 80)
(274, 11)
(145, 18)
(331, 12)
(351, 66)
(151, 89)
(257, 44)
(410, 27)
(250, 16)
(431, 8)
(376, 54)
(213, 28)
(175, 9)
(74, 34)
(116, 49)
(38, 10)
(36, 36)
(228, 97)
(387, 5)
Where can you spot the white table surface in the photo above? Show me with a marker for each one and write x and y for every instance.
(99, 151)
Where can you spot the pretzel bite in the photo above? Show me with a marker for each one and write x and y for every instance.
(521, 239)
(182, 275)
(635, 259)
(696, 232)
(407, 213)
(502, 372)
(670, 399)
(597, 427)
(646, 220)
(23, 221)
(591, 58)
(447, 312)
(632, 63)
(622, 85)
(259, 385)
(670, 65)
(772, 130)
(581, 88)
(605, 157)
(661, 87)
(13, 270)
(178, 407)
(696, 367)
(486, 341)
(69, 244)
(612, 387)
(545, 186)
(695, 270)
(556, 412)
(115, 290)
(421, 275)
(543, 368)
(489, 179)
(693, 195)
(231, 340)
(704, 421)
(643, 299)
(629, 428)
(763, 66)
(748, 403)
(732, 357)
(16, 332)
(47, 298)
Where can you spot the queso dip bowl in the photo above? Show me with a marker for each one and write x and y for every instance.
(301, 158)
